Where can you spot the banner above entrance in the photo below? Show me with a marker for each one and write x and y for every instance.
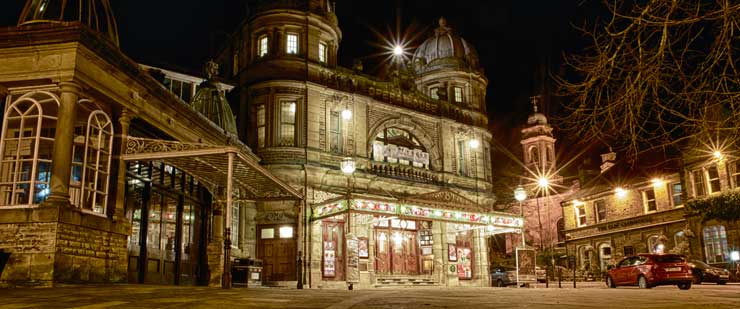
(404, 210)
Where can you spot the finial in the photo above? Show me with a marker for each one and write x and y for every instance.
(443, 28)
(535, 100)
(442, 22)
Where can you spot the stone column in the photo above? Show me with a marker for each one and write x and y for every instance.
(63, 139)
(215, 247)
(249, 240)
(118, 213)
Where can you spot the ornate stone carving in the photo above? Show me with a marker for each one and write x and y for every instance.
(275, 217)
(137, 145)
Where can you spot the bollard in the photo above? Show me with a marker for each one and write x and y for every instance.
(547, 276)
(299, 271)
(560, 276)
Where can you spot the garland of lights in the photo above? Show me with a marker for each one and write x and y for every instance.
(725, 206)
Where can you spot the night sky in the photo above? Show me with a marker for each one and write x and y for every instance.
(515, 39)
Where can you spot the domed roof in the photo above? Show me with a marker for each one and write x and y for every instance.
(445, 49)
(537, 118)
(212, 103)
(96, 14)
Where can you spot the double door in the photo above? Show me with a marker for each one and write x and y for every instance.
(396, 252)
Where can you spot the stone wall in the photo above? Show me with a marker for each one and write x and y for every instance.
(31, 247)
(88, 255)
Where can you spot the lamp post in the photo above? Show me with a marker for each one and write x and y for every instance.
(520, 195)
(543, 183)
(348, 168)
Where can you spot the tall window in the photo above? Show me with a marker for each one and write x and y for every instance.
(734, 172)
(433, 93)
(600, 209)
(676, 191)
(714, 185)
(322, 52)
(261, 126)
(235, 226)
(335, 131)
(291, 44)
(26, 147)
(458, 94)
(461, 157)
(534, 155)
(96, 165)
(715, 244)
(580, 215)
(648, 197)
(699, 188)
(262, 46)
(287, 123)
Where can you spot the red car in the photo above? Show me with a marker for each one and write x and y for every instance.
(649, 270)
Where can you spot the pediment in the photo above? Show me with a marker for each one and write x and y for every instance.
(444, 198)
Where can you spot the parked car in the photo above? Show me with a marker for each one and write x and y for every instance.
(649, 270)
(502, 276)
(704, 272)
(540, 273)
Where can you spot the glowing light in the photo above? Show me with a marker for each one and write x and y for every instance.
(620, 192)
(348, 165)
(577, 203)
(718, 154)
(735, 256)
(543, 182)
(292, 107)
(659, 248)
(398, 50)
(657, 182)
(474, 143)
(520, 194)
(346, 114)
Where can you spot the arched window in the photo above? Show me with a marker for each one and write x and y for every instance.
(26, 146)
(534, 155)
(95, 178)
(715, 243)
(395, 145)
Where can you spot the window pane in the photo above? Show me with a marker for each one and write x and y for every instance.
(268, 233)
(699, 189)
(292, 41)
(714, 185)
(433, 93)
(458, 94)
(262, 47)
(286, 232)
(287, 123)
(676, 190)
(322, 52)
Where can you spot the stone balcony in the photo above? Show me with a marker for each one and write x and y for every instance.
(404, 172)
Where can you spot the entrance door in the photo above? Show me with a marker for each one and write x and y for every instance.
(396, 247)
(382, 252)
(277, 250)
(161, 239)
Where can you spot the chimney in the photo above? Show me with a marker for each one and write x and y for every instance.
(607, 160)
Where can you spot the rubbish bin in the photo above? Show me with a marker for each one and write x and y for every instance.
(247, 272)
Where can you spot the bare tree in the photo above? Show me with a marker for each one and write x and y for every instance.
(658, 74)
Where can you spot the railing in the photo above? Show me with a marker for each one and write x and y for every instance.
(405, 172)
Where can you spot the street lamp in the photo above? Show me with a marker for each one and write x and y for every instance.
(348, 167)
(346, 114)
(520, 195)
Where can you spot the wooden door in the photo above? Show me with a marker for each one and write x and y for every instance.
(277, 250)
(397, 252)
(332, 254)
(382, 252)
(411, 257)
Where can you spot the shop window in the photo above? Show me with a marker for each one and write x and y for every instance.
(600, 209)
(26, 146)
(648, 198)
(267, 233)
(291, 43)
(394, 145)
(698, 178)
(458, 91)
(713, 176)
(335, 131)
(262, 46)
(433, 93)
(580, 215)
(261, 126)
(235, 218)
(715, 244)
(287, 123)
(676, 191)
(322, 52)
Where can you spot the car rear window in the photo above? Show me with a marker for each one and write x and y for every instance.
(668, 259)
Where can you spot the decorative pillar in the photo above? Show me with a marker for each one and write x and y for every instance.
(124, 120)
(226, 283)
(63, 139)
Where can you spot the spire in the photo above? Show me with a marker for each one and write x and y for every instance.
(535, 99)
(96, 14)
(536, 118)
(211, 102)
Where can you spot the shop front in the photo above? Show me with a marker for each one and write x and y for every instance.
(369, 241)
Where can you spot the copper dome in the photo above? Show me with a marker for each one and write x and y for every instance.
(445, 49)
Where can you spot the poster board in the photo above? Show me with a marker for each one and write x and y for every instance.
(525, 265)
(353, 259)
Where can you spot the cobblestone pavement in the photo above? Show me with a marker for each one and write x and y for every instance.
(152, 296)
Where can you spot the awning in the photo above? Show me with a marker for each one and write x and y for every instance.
(210, 165)
(404, 209)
